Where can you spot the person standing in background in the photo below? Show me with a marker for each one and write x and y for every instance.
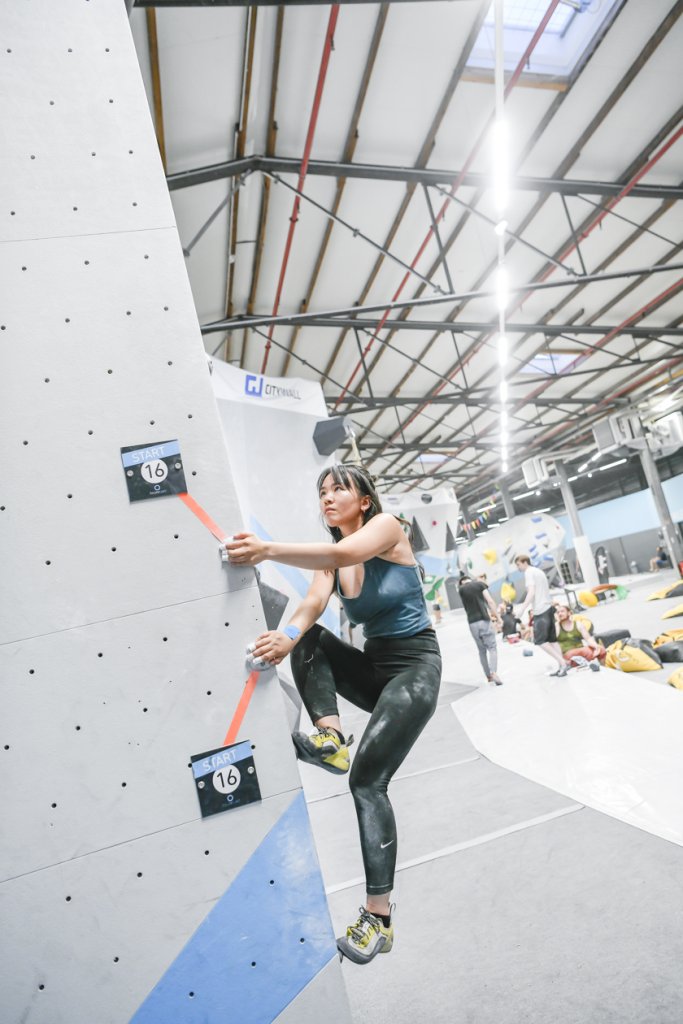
(538, 598)
(481, 615)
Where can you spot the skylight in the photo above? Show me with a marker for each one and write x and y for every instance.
(527, 14)
(430, 457)
(549, 362)
(566, 38)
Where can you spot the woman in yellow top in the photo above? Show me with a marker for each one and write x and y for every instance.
(574, 639)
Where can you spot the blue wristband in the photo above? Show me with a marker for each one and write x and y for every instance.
(293, 632)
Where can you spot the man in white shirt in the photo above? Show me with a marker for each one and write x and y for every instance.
(538, 597)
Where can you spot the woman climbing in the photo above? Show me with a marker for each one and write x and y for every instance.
(396, 677)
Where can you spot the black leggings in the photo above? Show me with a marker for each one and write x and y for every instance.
(397, 680)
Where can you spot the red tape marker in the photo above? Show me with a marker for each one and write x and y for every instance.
(250, 686)
(241, 710)
(203, 517)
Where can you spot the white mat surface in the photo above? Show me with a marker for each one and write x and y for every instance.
(608, 740)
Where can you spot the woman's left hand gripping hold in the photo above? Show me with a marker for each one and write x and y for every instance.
(271, 647)
(246, 549)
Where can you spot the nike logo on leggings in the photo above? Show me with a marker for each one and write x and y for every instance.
(383, 846)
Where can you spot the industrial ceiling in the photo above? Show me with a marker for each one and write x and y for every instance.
(330, 171)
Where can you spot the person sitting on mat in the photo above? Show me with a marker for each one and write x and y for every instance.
(396, 677)
(660, 560)
(574, 639)
(510, 623)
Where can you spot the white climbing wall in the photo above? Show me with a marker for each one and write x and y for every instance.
(122, 634)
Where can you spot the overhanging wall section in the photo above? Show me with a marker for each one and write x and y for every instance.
(268, 425)
(122, 632)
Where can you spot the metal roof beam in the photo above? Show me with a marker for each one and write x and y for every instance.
(465, 326)
(411, 175)
(457, 398)
(258, 3)
(532, 286)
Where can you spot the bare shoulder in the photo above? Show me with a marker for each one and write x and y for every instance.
(399, 548)
(389, 517)
(392, 527)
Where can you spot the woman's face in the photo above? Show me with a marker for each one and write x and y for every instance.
(342, 506)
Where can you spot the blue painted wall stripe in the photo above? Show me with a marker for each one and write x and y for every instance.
(267, 937)
(296, 579)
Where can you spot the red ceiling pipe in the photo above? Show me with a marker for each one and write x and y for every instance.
(610, 206)
(604, 341)
(570, 248)
(618, 394)
(603, 401)
(662, 297)
(456, 184)
(599, 344)
(633, 182)
(327, 49)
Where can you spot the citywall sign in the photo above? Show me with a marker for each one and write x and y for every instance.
(235, 385)
(261, 387)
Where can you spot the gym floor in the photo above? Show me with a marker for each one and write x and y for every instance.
(516, 901)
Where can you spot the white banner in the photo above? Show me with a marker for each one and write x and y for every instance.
(237, 385)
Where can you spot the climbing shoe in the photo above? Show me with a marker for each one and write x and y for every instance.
(366, 938)
(324, 748)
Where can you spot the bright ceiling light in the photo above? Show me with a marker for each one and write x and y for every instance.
(503, 390)
(502, 286)
(501, 159)
(502, 349)
(501, 227)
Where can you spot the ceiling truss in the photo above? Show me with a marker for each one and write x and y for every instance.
(388, 451)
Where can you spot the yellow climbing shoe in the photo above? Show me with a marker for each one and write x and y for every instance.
(366, 938)
(325, 749)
